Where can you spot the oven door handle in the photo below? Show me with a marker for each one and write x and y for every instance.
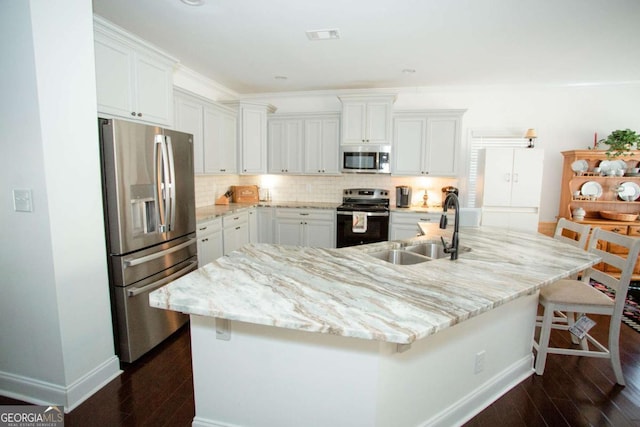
(367, 213)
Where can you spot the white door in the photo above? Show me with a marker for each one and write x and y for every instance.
(409, 138)
(189, 119)
(498, 171)
(527, 177)
(154, 86)
(442, 148)
(320, 234)
(354, 115)
(288, 232)
(254, 141)
(378, 122)
(114, 78)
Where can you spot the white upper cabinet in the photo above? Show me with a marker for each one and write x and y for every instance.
(252, 135)
(366, 119)
(322, 145)
(133, 79)
(220, 141)
(304, 143)
(214, 132)
(427, 142)
(285, 145)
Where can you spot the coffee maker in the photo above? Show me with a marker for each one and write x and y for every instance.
(403, 196)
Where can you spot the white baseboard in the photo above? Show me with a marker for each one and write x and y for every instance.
(44, 393)
(480, 398)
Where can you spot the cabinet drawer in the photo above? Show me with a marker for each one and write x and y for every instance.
(406, 218)
(208, 227)
(634, 230)
(235, 219)
(311, 214)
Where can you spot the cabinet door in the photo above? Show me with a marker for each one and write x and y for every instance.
(498, 171)
(321, 146)
(320, 234)
(527, 177)
(254, 231)
(442, 151)
(219, 141)
(189, 119)
(409, 138)
(378, 122)
(253, 141)
(285, 146)
(288, 232)
(354, 116)
(154, 90)
(210, 247)
(114, 78)
(235, 237)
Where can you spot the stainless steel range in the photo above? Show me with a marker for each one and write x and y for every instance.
(363, 217)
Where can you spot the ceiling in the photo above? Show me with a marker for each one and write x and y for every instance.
(245, 44)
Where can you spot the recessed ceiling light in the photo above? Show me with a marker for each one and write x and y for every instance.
(331, 34)
(193, 2)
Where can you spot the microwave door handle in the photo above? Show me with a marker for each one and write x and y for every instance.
(137, 291)
(171, 202)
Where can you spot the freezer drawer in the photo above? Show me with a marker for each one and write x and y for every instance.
(141, 327)
(129, 269)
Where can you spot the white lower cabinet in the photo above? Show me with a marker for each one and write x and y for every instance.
(209, 235)
(404, 225)
(254, 230)
(265, 224)
(235, 231)
(305, 227)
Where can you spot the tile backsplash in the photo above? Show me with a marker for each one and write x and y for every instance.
(305, 188)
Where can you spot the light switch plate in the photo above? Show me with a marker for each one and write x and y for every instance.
(22, 201)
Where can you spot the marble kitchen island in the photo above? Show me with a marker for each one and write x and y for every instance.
(293, 336)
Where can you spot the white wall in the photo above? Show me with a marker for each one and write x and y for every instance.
(55, 321)
(565, 117)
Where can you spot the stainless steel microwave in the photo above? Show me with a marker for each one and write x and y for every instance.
(365, 158)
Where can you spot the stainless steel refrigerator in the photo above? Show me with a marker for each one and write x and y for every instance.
(148, 191)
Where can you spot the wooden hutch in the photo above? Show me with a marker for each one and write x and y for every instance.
(572, 197)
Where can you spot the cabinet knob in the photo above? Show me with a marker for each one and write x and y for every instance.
(133, 113)
(223, 170)
(139, 114)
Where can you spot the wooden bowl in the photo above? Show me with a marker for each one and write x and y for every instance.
(617, 216)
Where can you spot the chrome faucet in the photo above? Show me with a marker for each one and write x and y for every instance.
(453, 248)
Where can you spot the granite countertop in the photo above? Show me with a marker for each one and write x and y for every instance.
(349, 293)
(207, 213)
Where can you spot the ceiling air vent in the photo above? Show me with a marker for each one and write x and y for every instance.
(323, 34)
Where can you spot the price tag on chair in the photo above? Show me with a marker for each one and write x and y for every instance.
(582, 326)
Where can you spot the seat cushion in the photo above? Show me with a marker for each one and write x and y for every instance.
(574, 292)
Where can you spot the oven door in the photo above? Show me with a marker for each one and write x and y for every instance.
(377, 229)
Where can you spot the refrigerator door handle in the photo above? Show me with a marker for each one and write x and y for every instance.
(142, 260)
(137, 291)
(171, 190)
(162, 187)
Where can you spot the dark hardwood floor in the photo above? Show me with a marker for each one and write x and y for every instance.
(157, 390)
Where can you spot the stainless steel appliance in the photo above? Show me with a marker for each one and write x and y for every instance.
(362, 206)
(403, 196)
(365, 158)
(148, 192)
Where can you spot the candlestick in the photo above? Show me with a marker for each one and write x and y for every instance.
(595, 140)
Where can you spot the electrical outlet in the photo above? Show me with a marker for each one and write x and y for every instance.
(479, 365)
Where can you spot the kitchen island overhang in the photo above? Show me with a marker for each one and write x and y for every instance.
(331, 327)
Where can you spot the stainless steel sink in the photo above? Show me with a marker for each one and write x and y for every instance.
(399, 256)
(432, 249)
